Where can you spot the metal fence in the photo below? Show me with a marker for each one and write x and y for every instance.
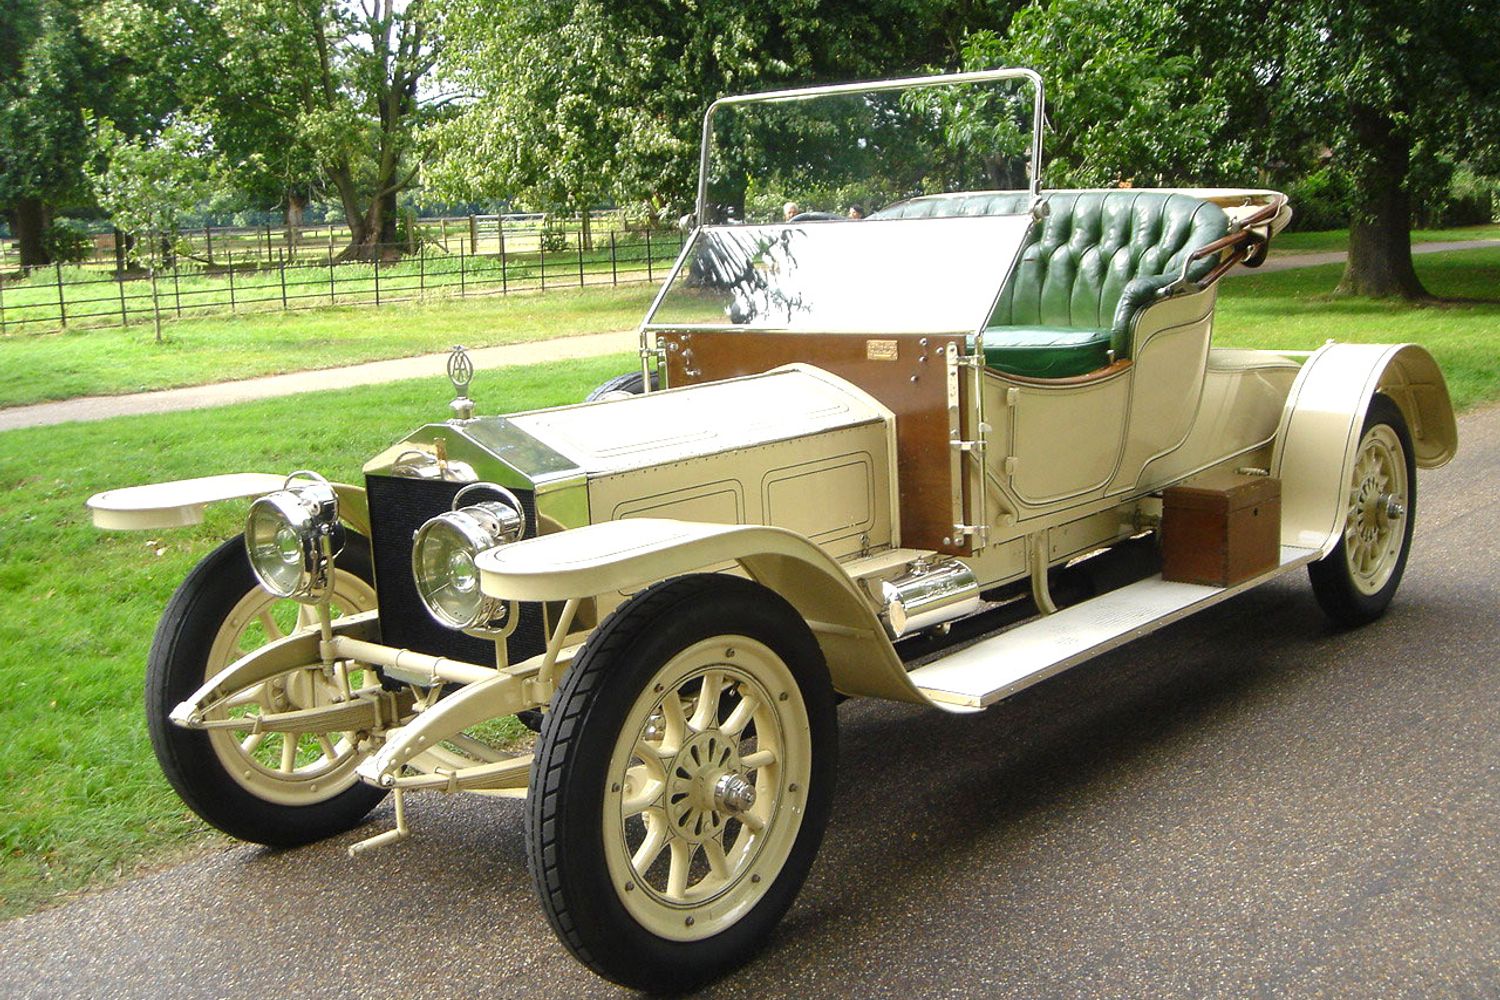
(244, 280)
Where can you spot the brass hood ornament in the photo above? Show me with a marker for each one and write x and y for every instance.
(461, 373)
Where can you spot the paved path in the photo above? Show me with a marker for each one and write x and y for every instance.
(1248, 803)
(592, 345)
(1287, 261)
(372, 372)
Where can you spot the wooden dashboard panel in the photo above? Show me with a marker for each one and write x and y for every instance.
(906, 372)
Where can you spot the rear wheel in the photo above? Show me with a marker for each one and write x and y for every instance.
(628, 384)
(268, 787)
(683, 779)
(1355, 582)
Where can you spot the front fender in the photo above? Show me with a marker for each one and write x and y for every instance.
(624, 556)
(181, 502)
(1321, 423)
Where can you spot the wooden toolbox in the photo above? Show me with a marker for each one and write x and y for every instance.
(1221, 529)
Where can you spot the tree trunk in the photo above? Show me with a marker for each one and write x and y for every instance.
(296, 209)
(28, 220)
(1380, 263)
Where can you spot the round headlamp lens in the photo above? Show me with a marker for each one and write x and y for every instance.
(284, 539)
(442, 562)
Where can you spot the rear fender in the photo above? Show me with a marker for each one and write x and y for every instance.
(181, 502)
(1321, 423)
(625, 556)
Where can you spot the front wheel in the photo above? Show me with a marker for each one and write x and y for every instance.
(274, 788)
(682, 782)
(1356, 581)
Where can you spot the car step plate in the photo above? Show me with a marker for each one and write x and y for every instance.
(987, 671)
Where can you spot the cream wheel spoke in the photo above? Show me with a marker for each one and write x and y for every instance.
(656, 839)
(326, 745)
(289, 752)
(742, 714)
(718, 864)
(677, 872)
(642, 788)
(252, 742)
(760, 758)
(268, 622)
(706, 713)
(753, 820)
(676, 720)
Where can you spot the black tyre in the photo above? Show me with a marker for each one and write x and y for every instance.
(1355, 582)
(630, 382)
(682, 782)
(271, 788)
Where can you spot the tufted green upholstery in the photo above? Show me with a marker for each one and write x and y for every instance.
(1093, 262)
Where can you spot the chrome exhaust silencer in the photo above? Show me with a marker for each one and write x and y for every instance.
(927, 595)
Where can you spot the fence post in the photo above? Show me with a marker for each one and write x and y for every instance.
(124, 313)
(269, 259)
(500, 231)
(377, 274)
(176, 288)
(283, 279)
(230, 254)
(463, 290)
(580, 261)
(422, 272)
(504, 272)
(208, 242)
(62, 306)
(614, 275)
(541, 245)
(650, 275)
(473, 234)
(155, 303)
(330, 244)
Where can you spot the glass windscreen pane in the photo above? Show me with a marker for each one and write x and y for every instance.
(845, 276)
(834, 155)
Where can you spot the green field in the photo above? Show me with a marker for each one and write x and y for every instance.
(84, 800)
(34, 368)
(1338, 239)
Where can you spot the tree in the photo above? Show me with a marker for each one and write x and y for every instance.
(43, 89)
(1388, 87)
(308, 96)
(573, 102)
(1126, 103)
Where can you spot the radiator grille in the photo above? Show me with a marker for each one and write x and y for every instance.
(398, 507)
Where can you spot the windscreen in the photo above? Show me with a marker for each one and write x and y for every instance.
(845, 276)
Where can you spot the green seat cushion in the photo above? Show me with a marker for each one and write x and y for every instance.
(1045, 352)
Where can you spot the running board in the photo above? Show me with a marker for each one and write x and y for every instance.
(979, 675)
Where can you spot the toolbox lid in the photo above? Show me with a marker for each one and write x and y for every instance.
(1221, 491)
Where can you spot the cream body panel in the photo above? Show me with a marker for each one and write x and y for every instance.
(616, 556)
(1170, 352)
(1321, 423)
(1243, 396)
(829, 487)
(659, 428)
(1065, 439)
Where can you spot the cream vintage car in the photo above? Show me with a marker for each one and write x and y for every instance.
(872, 439)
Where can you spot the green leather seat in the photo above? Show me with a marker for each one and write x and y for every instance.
(1095, 260)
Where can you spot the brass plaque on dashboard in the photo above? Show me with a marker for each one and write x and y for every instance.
(880, 350)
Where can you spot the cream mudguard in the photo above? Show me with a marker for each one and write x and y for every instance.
(181, 502)
(1321, 424)
(617, 557)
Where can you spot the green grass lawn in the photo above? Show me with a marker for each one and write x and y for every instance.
(84, 800)
(39, 367)
(1292, 309)
(1328, 240)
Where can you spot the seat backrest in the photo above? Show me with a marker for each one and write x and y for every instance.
(1079, 263)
